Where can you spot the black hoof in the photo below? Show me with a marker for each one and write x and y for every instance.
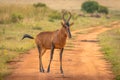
(42, 71)
(62, 72)
(48, 71)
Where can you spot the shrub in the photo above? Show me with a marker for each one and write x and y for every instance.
(16, 17)
(39, 5)
(117, 77)
(50, 20)
(37, 28)
(55, 15)
(103, 9)
(90, 6)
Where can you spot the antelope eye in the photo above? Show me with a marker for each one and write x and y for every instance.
(67, 24)
(66, 27)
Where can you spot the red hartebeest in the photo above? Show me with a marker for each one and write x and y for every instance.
(52, 40)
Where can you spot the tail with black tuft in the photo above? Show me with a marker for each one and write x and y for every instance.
(27, 36)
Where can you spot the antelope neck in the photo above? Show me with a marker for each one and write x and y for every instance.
(62, 32)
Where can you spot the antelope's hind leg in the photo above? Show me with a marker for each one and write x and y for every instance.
(40, 58)
(43, 51)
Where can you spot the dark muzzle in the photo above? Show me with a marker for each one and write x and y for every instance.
(69, 34)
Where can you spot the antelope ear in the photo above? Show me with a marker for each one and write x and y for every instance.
(62, 24)
(71, 23)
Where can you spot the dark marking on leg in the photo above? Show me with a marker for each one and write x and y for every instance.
(61, 52)
(43, 51)
(51, 57)
(40, 59)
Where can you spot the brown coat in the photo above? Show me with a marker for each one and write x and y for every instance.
(58, 38)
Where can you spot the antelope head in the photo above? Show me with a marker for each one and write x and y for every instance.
(66, 24)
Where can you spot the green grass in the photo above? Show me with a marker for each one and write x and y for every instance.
(19, 19)
(110, 42)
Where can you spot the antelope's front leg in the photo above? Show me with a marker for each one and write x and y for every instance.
(61, 52)
(51, 57)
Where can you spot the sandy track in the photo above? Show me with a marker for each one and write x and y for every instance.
(84, 61)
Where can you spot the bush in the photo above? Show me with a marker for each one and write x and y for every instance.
(117, 77)
(16, 17)
(103, 9)
(39, 5)
(55, 15)
(90, 6)
(37, 28)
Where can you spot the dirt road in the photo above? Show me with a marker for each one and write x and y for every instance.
(82, 61)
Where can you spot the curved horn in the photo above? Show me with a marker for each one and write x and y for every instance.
(64, 16)
(69, 16)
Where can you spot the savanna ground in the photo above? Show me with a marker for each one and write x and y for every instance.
(82, 58)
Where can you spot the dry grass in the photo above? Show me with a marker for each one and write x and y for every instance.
(34, 21)
(66, 4)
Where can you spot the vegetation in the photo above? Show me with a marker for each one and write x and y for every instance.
(103, 9)
(90, 6)
(39, 5)
(94, 6)
(17, 20)
(16, 17)
(110, 42)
